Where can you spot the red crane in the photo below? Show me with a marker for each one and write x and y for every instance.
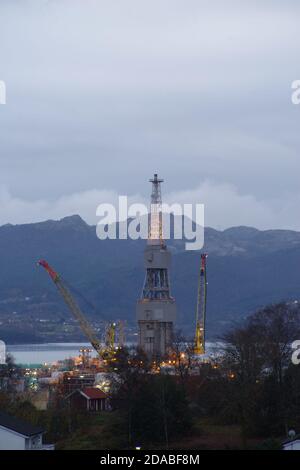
(74, 308)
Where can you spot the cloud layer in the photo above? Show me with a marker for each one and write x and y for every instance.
(101, 94)
(224, 207)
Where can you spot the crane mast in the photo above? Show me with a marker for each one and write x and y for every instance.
(74, 308)
(201, 308)
(110, 335)
(115, 335)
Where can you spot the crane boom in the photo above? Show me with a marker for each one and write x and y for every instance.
(201, 308)
(73, 306)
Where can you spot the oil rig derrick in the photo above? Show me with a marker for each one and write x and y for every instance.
(156, 308)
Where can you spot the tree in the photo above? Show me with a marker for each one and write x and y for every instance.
(256, 357)
(154, 406)
(277, 327)
(128, 371)
(182, 353)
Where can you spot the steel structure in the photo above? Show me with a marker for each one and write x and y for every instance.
(155, 229)
(110, 335)
(156, 309)
(201, 308)
(115, 335)
(121, 333)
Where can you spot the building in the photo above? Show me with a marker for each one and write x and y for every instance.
(89, 399)
(16, 434)
(292, 444)
(73, 381)
(156, 309)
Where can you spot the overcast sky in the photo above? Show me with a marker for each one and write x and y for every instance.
(103, 93)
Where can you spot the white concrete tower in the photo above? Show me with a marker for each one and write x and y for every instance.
(156, 309)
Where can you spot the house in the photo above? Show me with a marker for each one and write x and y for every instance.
(16, 434)
(89, 399)
(292, 444)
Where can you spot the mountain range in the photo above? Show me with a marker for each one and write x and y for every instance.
(246, 269)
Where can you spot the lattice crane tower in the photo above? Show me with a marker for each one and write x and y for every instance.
(156, 309)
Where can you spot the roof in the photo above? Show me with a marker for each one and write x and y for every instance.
(290, 440)
(94, 393)
(18, 425)
(89, 393)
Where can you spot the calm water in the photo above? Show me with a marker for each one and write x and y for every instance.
(48, 352)
(52, 352)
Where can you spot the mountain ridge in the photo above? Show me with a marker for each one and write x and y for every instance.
(247, 268)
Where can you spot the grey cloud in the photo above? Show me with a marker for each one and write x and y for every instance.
(100, 94)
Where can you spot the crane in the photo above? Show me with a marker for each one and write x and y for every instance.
(199, 347)
(115, 335)
(74, 308)
(110, 334)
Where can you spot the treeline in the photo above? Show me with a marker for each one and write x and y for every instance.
(252, 385)
(257, 385)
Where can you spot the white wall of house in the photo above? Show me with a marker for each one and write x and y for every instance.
(10, 440)
(294, 445)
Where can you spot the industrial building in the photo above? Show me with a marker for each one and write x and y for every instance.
(156, 309)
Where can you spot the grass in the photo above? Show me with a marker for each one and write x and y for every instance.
(207, 435)
(104, 432)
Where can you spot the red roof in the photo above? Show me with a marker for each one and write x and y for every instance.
(94, 393)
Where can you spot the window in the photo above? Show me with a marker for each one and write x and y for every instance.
(36, 442)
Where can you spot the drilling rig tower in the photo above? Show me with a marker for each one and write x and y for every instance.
(156, 309)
